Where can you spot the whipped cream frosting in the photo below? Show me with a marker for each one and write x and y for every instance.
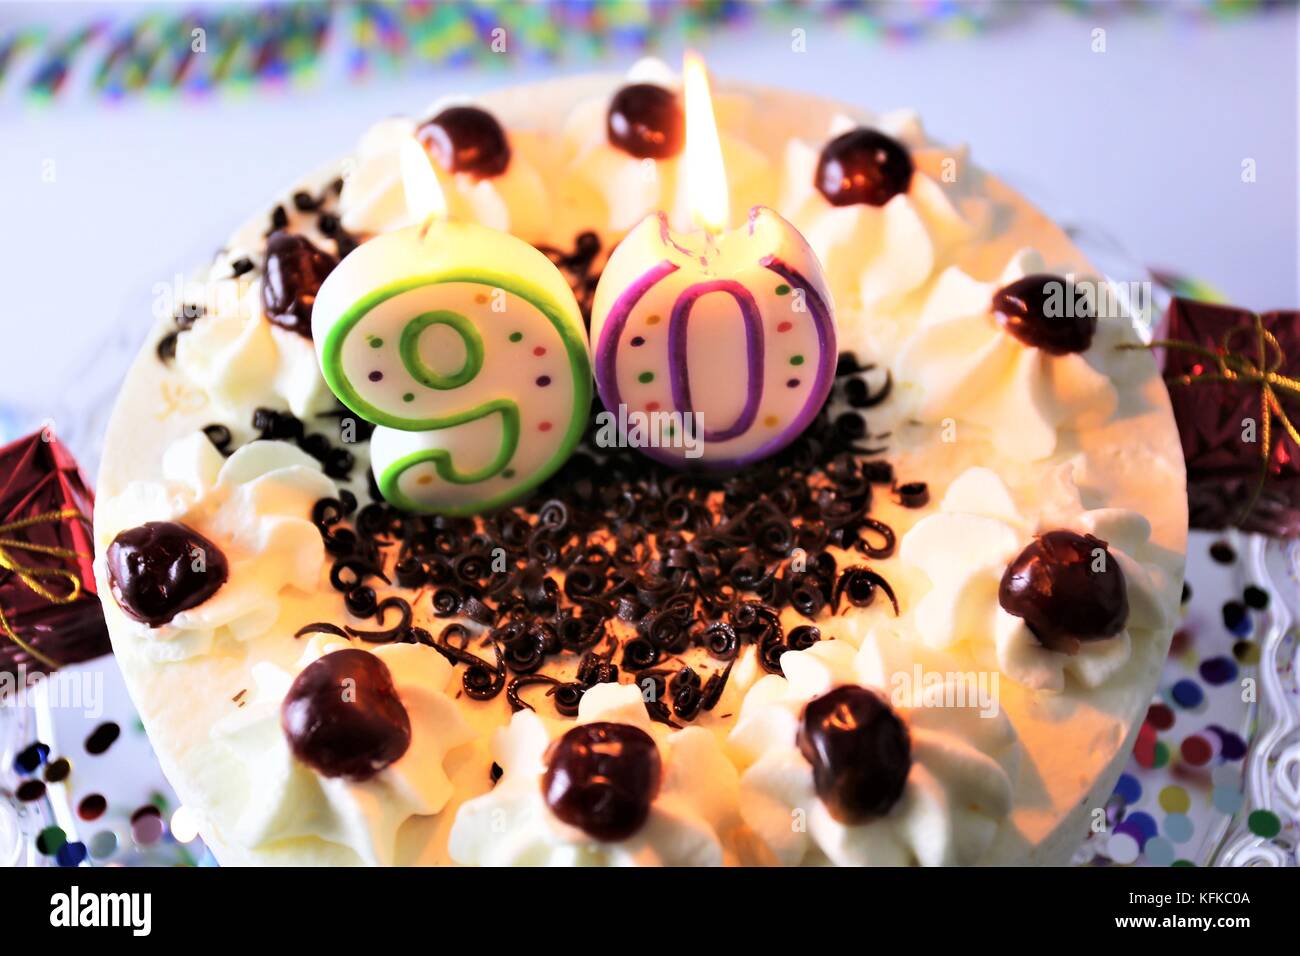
(511, 825)
(957, 793)
(965, 547)
(877, 254)
(287, 799)
(256, 507)
(963, 365)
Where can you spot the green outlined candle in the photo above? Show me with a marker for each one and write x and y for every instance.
(465, 347)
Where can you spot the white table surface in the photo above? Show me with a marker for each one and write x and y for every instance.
(1145, 140)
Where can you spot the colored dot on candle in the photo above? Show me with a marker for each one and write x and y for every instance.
(796, 360)
(508, 473)
(771, 421)
(544, 427)
(783, 289)
(793, 383)
(784, 326)
(376, 342)
(652, 406)
(543, 380)
(424, 480)
(408, 397)
(645, 378)
(516, 336)
(539, 351)
(481, 298)
(652, 320)
(376, 376)
(637, 341)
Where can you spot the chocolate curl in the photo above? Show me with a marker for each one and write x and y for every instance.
(1233, 367)
(31, 576)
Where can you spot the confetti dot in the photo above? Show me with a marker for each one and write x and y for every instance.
(103, 844)
(543, 381)
(544, 427)
(92, 806)
(1236, 618)
(1218, 670)
(49, 840)
(408, 397)
(1122, 848)
(1160, 755)
(1254, 597)
(1187, 593)
(1160, 717)
(796, 360)
(1196, 751)
(30, 790)
(1178, 643)
(1227, 800)
(30, 758)
(1128, 788)
(71, 854)
(1144, 747)
(1222, 552)
(1187, 694)
(376, 376)
(147, 830)
(1179, 827)
(792, 383)
(1141, 825)
(1174, 799)
(784, 326)
(539, 351)
(652, 320)
(1246, 652)
(1159, 851)
(771, 421)
(645, 378)
(1264, 823)
(184, 825)
(783, 289)
(637, 342)
(516, 336)
(58, 770)
(376, 342)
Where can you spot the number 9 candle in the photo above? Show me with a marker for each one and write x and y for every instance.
(464, 346)
(729, 332)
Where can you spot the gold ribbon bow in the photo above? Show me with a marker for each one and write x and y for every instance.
(34, 576)
(1236, 368)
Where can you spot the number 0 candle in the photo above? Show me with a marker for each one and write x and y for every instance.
(464, 346)
(728, 333)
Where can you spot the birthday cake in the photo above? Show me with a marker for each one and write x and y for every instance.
(564, 479)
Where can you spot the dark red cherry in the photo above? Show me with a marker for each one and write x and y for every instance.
(343, 718)
(161, 568)
(863, 166)
(602, 778)
(1040, 311)
(466, 139)
(291, 278)
(1068, 588)
(860, 752)
(646, 121)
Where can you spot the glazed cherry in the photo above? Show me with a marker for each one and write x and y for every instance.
(860, 752)
(343, 718)
(863, 166)
(602, 778)
(1038, 311)
(646, 121)
(1068, 588)
(161, 568)
(293, 275)
(466, 139)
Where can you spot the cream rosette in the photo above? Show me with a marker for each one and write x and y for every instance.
(374, 201)
(512, 825)
(287, 799)
(961, 364)
(615, 190)
(256, 507)
(878, 254)
(964, 549)
(957, 791)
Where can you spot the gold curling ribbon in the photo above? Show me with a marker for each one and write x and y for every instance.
(1237, 369)
(33, 576)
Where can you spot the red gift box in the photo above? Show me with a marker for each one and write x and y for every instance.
(1232, 377)
(50, 614)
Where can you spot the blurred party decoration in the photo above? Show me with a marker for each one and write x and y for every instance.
(49, 612)
(237, 46)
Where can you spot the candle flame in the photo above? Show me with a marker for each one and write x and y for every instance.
(424, 197)
(707, 197)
